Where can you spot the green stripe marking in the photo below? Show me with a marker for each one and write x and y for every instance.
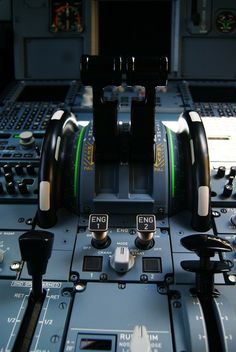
(77, 159)
(172, 160)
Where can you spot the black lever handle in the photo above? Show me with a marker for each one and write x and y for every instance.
(205, 246)
(36, 248)
(193, 129)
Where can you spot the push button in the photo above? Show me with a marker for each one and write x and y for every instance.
(92, 263)
(152, 265)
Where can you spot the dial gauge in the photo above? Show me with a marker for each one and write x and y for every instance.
(67, 16)
(226, 22)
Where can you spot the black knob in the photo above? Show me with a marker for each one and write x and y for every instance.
(10, 188)
(30, 169)
(23, 188)
(8, 177)
(36, 249)
(221, 172)
(19, 169)
(232, 171)
(231, 180)
(7, 168)
(228, 189)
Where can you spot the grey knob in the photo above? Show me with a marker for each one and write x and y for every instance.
(122, 260)
(27, 139)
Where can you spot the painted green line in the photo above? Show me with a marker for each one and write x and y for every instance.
(77, 155)
(172, 160)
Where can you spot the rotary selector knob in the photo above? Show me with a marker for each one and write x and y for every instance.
(7, 168)
(30, 169)
(122, 260)
(221, 172)
(228, 189)
(19, 169)
(23, 188)
(10, 188)
(27, 139)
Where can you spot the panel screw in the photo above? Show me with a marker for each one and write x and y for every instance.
(144, 278)
(15, 266)
(55, 338)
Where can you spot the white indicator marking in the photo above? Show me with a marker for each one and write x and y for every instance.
(203, 201)
(192, 151)
(41, 327)
(57, 148)
(57, 115)
(16, 321)
(194, 116)
(44, 195)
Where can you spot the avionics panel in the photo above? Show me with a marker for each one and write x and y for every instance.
(135, 28)
(56, 93)
(210, 98)
(213, 94)
(207, 40)
(51, 37)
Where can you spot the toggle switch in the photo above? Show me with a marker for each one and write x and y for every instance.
(122, 260)
(146, 227)
(98, 226)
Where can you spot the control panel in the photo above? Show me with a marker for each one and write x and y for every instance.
(110, 245)
(117, 176)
